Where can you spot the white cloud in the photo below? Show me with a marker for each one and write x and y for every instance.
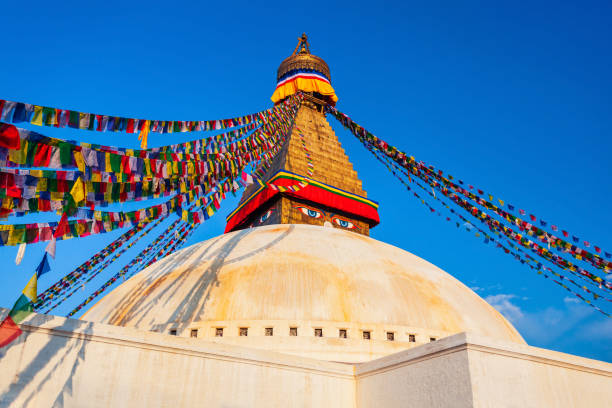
(564, 328)
(503, 303)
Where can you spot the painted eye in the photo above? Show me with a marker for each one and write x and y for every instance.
(344, 223)
(314, 213)
(310, 212)
(265, 216)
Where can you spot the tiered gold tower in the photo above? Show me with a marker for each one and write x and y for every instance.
(311, 141)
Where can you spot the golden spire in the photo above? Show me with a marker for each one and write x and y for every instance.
(303, 59)
(303, 45)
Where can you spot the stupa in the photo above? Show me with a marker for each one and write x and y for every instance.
(295, 305)
(297, 271)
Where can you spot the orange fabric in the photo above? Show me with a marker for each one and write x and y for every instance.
(306, 85)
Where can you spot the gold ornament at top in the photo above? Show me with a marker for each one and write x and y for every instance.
(303, 59)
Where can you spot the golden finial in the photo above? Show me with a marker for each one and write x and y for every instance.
(302, 58)
(302, 46)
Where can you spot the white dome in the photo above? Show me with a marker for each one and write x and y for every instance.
(304, 277)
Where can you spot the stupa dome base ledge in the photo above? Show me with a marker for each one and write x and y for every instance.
(75, 363)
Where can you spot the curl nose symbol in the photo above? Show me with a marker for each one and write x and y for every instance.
(328, 224)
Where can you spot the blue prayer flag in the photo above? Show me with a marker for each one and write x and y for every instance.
(43, 267)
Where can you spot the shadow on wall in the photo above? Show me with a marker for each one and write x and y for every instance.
(136, 306)
(43, 367)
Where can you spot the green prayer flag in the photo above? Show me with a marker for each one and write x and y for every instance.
(21, 309)
(115, 161)
(65, 153)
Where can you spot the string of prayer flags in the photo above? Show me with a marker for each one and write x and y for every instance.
(88, 271)
(449, 189)
(123, 270)
(39, 173)
(469, 226)
(355, 128)
(538, 268)
(18, 112)
(420, 167)
(65, 282)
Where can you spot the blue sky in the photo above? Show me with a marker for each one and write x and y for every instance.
(513, 98)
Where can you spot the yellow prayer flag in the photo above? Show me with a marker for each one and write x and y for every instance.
(501, 202)
(147, 166)
(15, 236)
(19, 155)
(210, 211)
(78, 191)
(144, 135)
(8, 203)
(81, 228)
(185, 215)
(30, 290)
(42, 185)
(37, 117)
(80, 162)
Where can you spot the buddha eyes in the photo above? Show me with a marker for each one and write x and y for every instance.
(310, 212)
(343, 223)
(265, 216)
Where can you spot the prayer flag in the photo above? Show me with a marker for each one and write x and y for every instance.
(9, 136)
(43, 267)
(20, 253)
(61, 228)
(78, 191)
(50, 249)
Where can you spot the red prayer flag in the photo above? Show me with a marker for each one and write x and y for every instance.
(130, 126)
(9, 136)
(62, 226)
(13, 191)
(42, 157)
(533, 218)
(9, 331)
(565, 234)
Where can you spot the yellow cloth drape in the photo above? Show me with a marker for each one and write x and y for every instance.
(306, 85)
